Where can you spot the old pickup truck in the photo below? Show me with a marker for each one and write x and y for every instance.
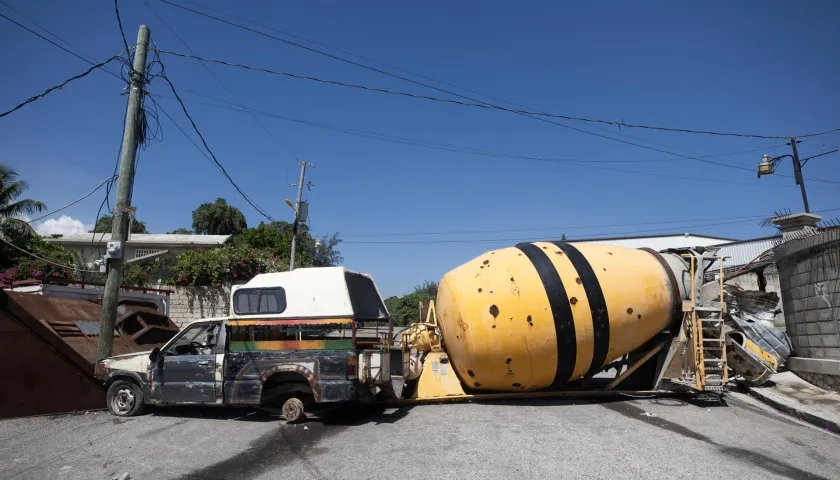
(299, 340)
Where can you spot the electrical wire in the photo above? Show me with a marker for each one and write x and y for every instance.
(383, 72)
(211, 157)
(44, 259)
(413, 73)
(603, 236)
(427, 143)
(73, 202)
(819, 155)
(59, 86)
(583, 163)
(535, 115)
(219, 81)
(87, 58)
(563, 228)
(59, 46)
(479, 105)
(122, 32)
(546, 120)
(394, 67)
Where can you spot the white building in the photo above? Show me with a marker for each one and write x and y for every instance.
(140, 247)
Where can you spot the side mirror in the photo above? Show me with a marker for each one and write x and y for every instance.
(154, 355)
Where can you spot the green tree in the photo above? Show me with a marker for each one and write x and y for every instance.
(405, 310)
(276, 237)
(325, 253)
(427, 289)
(181, 231)
(12, 206)
(218, 218)
(104, 225)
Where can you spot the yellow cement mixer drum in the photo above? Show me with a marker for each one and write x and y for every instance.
(542, 314)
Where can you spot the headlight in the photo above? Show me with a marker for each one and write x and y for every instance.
(99, 370)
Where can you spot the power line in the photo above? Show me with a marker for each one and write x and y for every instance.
(571, 227)
(379, 62)
(74, 201)
(820, 155)
(59, 86)
(44, 259)
(122, 32)
(57, 45)
(272, 135)
(420, 143)
(473, 103)
(473, 151)
(520, 239)
(411, 72)
(535, 117)
(458, 102)
(383, 72)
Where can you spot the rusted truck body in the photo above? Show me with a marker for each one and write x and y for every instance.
(294, 339)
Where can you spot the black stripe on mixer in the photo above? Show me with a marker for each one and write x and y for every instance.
(597, 304)
(561, 312)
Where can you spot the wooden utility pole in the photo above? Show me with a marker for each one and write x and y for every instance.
(122, 211)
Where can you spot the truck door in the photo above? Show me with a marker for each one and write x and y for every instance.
(187, 373)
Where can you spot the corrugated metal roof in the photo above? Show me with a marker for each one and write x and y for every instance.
(658, 242)
(745, 251)
(157, 239)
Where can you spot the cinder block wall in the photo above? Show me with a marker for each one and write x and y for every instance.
(809, 273)
(188, 304)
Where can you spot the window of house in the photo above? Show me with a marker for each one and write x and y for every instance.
(259, 300)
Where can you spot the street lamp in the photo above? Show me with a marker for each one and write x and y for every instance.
(768, 165)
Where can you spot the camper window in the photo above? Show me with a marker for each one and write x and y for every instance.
(259, 300)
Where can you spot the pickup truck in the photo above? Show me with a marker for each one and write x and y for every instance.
(303, 339)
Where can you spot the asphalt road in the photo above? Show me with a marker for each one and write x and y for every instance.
(629, 439)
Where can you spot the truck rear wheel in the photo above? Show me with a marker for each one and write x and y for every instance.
(293, 410)
(125, 399)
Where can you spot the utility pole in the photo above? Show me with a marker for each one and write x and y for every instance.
(797, 172)
(125, 182)
(297, 215)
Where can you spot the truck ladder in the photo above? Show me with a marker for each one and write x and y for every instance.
(707, 335)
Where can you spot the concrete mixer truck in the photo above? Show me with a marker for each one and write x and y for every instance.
(536, 319)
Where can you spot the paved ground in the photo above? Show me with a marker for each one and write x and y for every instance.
(629, 439)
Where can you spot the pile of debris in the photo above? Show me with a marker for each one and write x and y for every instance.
(756, 349)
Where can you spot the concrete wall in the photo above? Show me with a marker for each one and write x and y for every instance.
(749, 281)
(188, 304)
(809, 271)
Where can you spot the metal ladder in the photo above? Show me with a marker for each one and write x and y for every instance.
(707, 334)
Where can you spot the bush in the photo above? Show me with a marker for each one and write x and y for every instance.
(225, 265)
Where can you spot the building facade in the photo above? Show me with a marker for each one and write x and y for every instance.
(139, 247)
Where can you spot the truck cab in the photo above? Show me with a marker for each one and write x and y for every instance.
(299, 340)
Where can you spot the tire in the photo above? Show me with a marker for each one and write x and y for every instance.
(125, 399)
(293, 410)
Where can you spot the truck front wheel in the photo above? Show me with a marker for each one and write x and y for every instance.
(125, 399)
(293, 410)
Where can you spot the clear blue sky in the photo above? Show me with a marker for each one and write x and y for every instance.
(767, 67)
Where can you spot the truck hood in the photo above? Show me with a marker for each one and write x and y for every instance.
(132, 362)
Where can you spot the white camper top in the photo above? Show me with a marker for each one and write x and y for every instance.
(317, 292)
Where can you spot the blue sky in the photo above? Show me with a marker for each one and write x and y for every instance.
(766, 67)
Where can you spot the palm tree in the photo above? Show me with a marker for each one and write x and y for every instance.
(11, 209)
